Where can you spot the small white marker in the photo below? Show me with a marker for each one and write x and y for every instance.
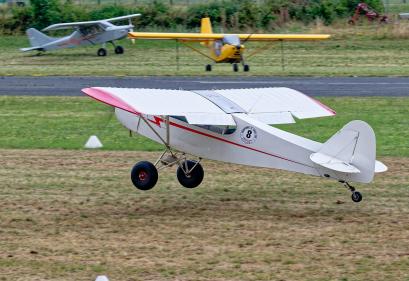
(102, 278)
(93, 142)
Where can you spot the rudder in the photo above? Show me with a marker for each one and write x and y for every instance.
(37, 38)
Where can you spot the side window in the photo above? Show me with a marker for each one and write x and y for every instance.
(222, 130)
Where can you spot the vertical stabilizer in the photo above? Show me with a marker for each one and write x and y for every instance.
(350, 154)
(37, 38)
(206, 26)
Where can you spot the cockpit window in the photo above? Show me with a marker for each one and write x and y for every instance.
(231, 40)
(222, 130)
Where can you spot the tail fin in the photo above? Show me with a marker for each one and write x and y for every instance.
(350, 154)
(206, 27)
(37, 38)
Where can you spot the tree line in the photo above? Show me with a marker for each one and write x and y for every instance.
(232, 15)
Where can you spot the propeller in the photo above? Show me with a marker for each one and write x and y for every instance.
(131, 29)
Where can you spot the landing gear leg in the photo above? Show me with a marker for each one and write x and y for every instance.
(356, 195)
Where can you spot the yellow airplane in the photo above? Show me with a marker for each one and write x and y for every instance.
(224, 48)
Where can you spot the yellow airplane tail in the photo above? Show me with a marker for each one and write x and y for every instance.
(206, 27)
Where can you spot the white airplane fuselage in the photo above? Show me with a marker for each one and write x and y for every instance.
(77, 38)
(252, 143)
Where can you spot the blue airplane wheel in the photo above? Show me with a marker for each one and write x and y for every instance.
(194, 177)
(144, 175)
(102, 52)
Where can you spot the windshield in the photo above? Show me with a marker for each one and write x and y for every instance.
(231, 40)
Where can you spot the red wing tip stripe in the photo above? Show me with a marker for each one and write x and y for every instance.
(330, 110)
(108, 98)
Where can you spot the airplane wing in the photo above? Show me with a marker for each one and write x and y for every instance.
(276, 105)
(158, 102)
(268, 105)
(123, 17)
(68, 25)
(215, 36)
(283, 37)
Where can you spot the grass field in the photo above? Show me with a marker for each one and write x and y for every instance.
(73, 215)
(67, 122)
(359, 51)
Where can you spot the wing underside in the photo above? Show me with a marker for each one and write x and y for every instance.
(268, 105)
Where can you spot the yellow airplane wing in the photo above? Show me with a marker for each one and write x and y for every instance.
(215, 36)
(289, 37)
(175, 36)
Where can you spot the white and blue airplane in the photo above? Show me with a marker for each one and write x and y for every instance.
(85, 33)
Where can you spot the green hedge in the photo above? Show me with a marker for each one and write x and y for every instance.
(228, 14)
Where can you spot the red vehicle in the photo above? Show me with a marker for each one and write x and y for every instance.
(372, 15)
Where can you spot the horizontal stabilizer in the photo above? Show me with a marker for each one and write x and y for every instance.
(31, 49)
(333, 163)
(380, 167)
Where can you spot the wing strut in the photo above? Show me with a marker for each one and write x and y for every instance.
(197, 50)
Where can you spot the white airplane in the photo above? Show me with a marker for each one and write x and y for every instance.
(234, 126)
(85, 33)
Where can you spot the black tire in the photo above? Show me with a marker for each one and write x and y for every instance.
(144, 175)
(235, 67)
(194, 178)
(119, 50)
(356, 196)
(102, 52)
(246, 68)
(208, 67)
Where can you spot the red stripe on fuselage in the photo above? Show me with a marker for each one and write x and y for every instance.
(223, 140)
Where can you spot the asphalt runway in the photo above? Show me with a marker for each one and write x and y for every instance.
(313, 86)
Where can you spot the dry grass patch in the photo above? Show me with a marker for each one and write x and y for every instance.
(71, 215)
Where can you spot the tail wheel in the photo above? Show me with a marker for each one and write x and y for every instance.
(144, 175)
(119, 50)
(102, 52)
(356, 196)
(191, 175)
(235, 67)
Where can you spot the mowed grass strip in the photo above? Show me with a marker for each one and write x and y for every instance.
(67, 123)
(72, 215)
(361, 51)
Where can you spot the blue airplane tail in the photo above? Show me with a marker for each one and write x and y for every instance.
(38, 38)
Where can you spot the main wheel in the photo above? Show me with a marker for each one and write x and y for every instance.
(144, 175)
(246, 68)
(235, 67)
(102, 52)
(208, 67)
(356, 196)
(194, 178)
(119, 50)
